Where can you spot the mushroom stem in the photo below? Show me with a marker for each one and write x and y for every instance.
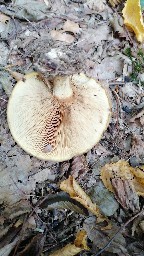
(62, 89)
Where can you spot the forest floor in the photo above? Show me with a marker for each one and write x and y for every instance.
(67, 37)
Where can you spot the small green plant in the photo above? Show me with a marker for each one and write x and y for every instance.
(137, 63)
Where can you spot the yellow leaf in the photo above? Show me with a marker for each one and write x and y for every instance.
(123, 170)
(73, 249)
(81, 241)
(133, 18)
(76, 192)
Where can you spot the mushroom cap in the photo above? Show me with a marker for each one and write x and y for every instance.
(53, 129)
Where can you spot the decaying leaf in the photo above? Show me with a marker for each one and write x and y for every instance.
(6, 250)
(139, 116)
(73, 249)
(76, 192)
(79, 167)
(126, 175)
(57, 35)
(71, 26)
(125, 194)
(114, 2)
(35, 247)
(141, 224)
(9, 236)
(100, 238)
(62, 200)
(95, 5)
(117, 24)
(133, 18)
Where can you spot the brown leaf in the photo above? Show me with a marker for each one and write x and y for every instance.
(73, 249)
(137, 145)
(125, 181)
(76, 192)
(6, 250)
(62, 200)
(79, 167)
(139, 116)
(59, 36)
(9, 236)
(35, 247)
(100, 238)
(71, 27)
(125, 194)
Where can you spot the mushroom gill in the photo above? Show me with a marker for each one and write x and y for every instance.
(60, 120)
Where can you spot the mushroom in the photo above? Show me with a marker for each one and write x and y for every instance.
(60, 119)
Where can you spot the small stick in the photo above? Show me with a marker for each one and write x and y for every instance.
(119, 230)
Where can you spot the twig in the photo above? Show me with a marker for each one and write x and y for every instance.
(119, 230)
(118, 108)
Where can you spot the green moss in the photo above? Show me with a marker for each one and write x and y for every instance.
(137, 63)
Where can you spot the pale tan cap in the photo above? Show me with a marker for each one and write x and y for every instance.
(57, 121)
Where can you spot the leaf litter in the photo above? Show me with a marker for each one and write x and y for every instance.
(66, 37)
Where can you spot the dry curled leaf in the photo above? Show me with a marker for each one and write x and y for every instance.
(35, 247)
(133, 18)
(76, 192)
(122, 170)
(73, 249)
(71, 26)
(62, 200)
(60, 36)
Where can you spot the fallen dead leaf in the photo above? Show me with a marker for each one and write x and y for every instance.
(59, 36)
(101, 238)
(71, 27)
(139, 116)
(4, 18)
(141, 224)
(126, 175)
(137, 145)
(125, 194)
(73, 249)
(79, 167)
(62, 200)
(96, 5)
(133, 18)
(6, 250)
(76, 192)
(117, 23)
(35, 247)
